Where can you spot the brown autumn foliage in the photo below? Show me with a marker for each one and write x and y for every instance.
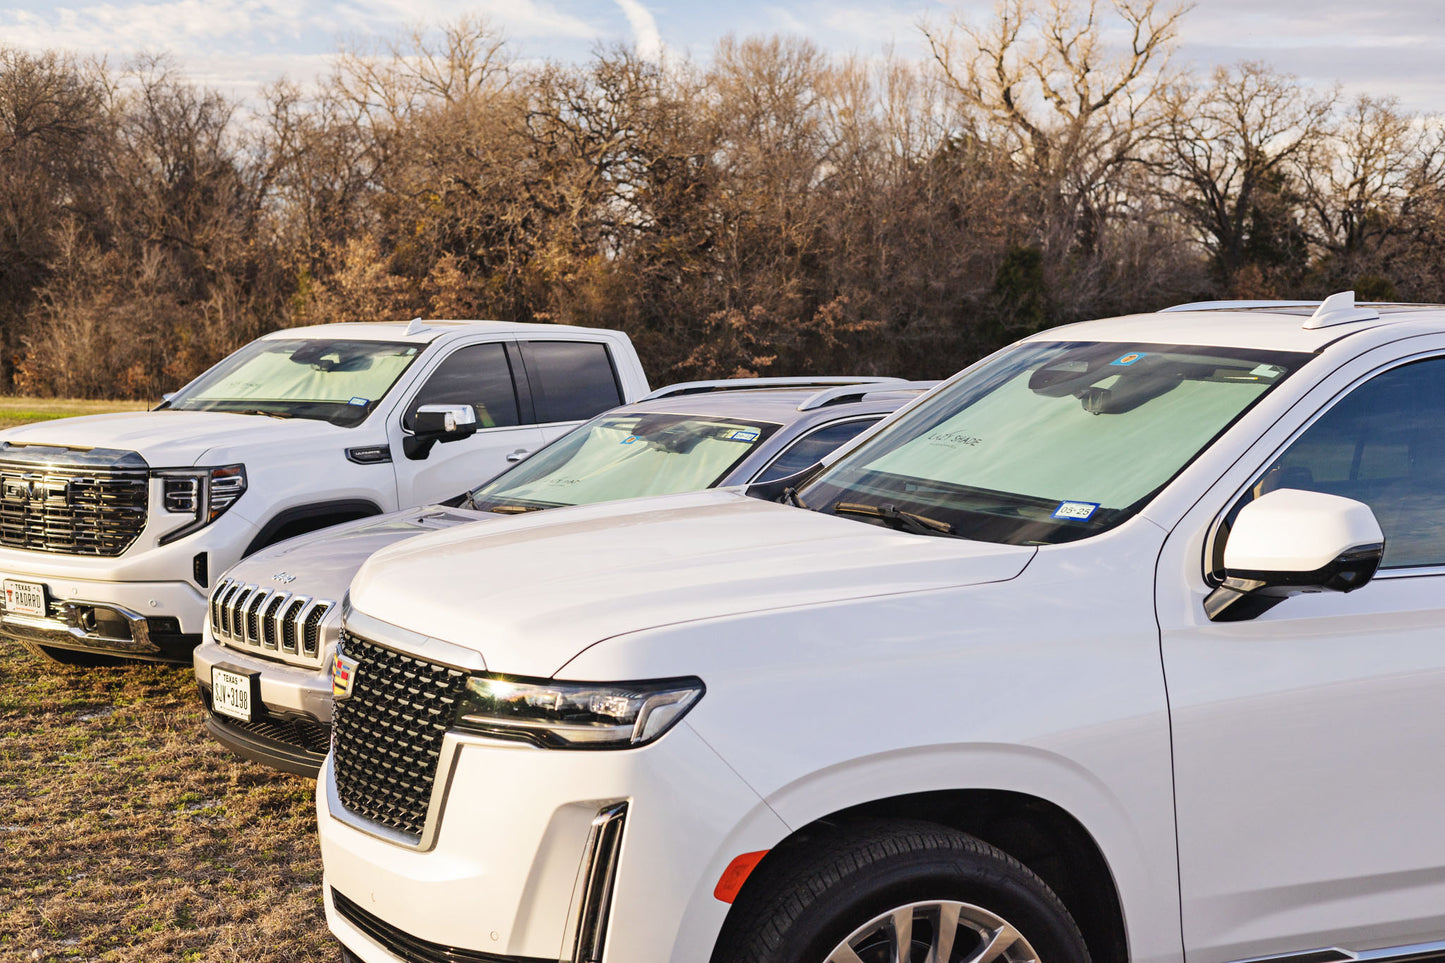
(772, 209)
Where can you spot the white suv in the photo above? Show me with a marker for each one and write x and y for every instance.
(1085, 656)
(113, 527)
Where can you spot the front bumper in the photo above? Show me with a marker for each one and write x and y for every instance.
(514, 847)
(291, 728)
(131, 620)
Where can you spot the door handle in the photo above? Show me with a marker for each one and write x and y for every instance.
(517, 455)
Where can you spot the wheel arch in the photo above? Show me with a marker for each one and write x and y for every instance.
(1038, 833)
(300, 519)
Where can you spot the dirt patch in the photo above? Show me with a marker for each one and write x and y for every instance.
(126, 833)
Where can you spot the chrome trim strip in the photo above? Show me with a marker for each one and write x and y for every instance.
(1335, 954)
(592, 895)
(395, 637)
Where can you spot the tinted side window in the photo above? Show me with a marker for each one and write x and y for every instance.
(571, 380)
(1384, 445)
(808, 449)
(478, 374)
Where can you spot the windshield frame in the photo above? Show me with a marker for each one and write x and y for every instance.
(340, 413)
(1014, 516)
(766, 431)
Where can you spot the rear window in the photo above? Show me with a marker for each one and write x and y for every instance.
(571, 380)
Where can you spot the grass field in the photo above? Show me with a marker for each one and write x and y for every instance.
(23, 411)
(126, 834)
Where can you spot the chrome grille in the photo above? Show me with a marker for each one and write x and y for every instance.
(388, 734)
(72, 510)
(268, 620)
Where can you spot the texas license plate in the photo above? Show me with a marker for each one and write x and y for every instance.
(25, 598)
(233, 693)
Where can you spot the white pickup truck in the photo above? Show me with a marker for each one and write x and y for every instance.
(112, 527)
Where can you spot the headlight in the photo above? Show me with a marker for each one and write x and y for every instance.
(576, 715)
(202, 493)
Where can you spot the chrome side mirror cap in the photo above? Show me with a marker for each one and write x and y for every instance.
(1291, 541)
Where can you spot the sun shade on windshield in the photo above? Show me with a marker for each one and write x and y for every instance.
(331, 380)
(1051, 442)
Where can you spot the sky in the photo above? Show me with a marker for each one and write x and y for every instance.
(1386, 48)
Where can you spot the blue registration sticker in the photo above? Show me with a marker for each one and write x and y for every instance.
(629, 439)
(740, 434)
(1075, 511)
(359, 401)
(1127, 359)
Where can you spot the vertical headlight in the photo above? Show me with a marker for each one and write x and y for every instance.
(202, 493)
(576, 715)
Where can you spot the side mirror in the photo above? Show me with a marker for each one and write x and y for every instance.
(1291, 541)
(438, 423)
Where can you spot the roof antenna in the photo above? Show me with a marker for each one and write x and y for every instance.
(417, 326)
(1340, 309)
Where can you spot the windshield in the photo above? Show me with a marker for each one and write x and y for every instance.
(625, 456)
(328, 380)
(1049, 442)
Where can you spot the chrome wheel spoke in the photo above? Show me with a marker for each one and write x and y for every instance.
(902, 934)
(944, 933)
(888, 937)
(996, 944)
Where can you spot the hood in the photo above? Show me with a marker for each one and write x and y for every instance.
(172, 439)
(321, 564)
(532, 591)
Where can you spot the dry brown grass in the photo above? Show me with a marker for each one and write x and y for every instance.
(127, 834)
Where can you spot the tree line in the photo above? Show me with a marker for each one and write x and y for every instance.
(772, 209)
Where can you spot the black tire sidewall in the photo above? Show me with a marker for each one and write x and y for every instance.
(913, 877)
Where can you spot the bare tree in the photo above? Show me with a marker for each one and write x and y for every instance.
(1232, 148)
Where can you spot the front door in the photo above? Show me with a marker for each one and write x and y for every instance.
(1309, 742)
(480, 375)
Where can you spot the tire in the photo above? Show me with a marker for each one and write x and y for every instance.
(846, 897)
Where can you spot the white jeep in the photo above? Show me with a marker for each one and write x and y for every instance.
(112, 527)
(1083, 657)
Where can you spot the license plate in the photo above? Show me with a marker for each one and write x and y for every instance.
(234, 693)
(25, 598)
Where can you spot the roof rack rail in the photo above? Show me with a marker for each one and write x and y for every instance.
(1235, 305)
(843, 394)
(738, 384)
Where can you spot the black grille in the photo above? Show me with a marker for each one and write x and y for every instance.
(72, 511)
(388, 734)
(304, 734)
(404, 946)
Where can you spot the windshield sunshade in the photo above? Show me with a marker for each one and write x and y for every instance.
(625, 456)
(336, 381)
(1052, 442)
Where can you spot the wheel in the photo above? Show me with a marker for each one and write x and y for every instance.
(898, 893)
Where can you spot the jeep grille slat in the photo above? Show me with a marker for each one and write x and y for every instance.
(259, 619)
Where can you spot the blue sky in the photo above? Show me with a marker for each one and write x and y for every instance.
(1381, 48)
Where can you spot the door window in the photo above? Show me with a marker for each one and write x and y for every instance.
(1384, 445)
(810, 448)
(571, 380)
(479, 375)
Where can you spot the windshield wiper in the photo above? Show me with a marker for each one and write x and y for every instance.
(790, 496)
(511, 509)
(262, 411)
(895, 518)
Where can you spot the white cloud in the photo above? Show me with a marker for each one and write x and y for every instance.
(646, 36)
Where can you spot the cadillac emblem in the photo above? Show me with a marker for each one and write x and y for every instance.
(343, 676)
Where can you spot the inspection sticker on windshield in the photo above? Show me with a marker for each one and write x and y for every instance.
(1127, 360)
(1075, 511)
(629, 440)
(359, 401)
(740, 434)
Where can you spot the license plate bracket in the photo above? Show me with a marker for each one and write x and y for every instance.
(25, 598)
(235, 692)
